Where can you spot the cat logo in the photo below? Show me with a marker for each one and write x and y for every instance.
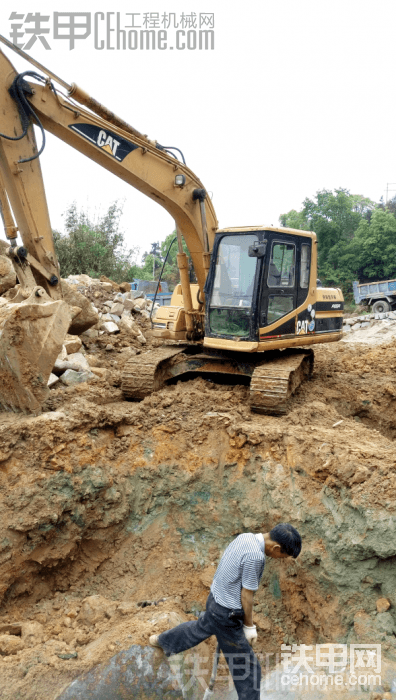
(336, 306)
(114, 145)
(302, 327)
(108, 143)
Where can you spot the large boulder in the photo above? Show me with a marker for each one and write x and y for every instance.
(7, 274)
(76, 361)
(139, 672)
(70, 377)
(87, 318)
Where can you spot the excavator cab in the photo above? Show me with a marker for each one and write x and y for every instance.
(258, 286)
(260, 294)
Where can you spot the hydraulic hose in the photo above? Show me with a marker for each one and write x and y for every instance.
(159, 279)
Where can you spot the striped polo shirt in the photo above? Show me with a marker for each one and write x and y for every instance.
(241, 566)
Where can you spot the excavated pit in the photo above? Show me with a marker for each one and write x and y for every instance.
(133, 503)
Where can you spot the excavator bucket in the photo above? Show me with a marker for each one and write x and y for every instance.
(31, 337)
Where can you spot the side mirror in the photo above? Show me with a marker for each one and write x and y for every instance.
(257, 250)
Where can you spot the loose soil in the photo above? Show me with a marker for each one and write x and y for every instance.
(115, 513)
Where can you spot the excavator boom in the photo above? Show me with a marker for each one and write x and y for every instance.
(38, 311)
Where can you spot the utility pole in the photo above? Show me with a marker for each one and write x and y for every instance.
(154, 250)
(388, 190)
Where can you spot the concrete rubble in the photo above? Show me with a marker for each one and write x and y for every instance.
(367, 320)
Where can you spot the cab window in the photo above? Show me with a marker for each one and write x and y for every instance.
(278, 306)
(281, 271)
(304, 266)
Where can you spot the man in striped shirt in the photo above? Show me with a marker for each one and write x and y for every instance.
(229, 608)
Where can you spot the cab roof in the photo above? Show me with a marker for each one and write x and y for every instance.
(277, 229)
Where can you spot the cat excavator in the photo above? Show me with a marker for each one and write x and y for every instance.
(252, 315)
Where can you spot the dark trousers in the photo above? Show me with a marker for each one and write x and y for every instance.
(244, 667)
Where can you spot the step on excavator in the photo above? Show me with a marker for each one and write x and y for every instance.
(254, 312)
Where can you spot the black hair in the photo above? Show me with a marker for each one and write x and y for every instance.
(288, 537)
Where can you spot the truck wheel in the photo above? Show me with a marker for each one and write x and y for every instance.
(380, 306)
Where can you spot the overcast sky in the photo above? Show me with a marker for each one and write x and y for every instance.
(296, 96)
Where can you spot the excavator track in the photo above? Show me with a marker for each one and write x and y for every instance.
(273, 379)
(273, 382)
(142, 374)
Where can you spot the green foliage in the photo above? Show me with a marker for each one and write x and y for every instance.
(294, 219)
(349, 230)
(369, 256)
(374, 247)
(94, 249)
(334, 217)
(171, 271)
(152, 262)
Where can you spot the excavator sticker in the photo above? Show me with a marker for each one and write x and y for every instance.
(305, 323)
(113, 144)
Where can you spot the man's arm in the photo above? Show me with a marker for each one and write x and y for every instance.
(247, 604)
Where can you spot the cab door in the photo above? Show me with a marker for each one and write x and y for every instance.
(284, 283)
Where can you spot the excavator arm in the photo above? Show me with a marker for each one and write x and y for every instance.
(34, 323)
(119, 148)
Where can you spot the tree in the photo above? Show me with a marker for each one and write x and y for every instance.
(152, 261)
(294, 219)
(391, 205)
(94, 248)
(375, 247)
(335, 217)
(171, 270)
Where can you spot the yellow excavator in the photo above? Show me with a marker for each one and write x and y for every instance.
(256, 304)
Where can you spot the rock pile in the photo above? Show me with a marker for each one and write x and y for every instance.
(107, 311)
(355, 323)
